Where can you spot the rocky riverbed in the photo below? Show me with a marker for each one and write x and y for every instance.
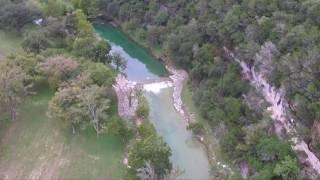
(127, 95)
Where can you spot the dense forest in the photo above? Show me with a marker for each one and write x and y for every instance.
(192, 35)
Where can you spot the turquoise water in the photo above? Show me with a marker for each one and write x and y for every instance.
(141, 64)
(187, 153)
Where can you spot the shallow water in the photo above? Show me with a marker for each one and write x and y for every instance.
(187, 154)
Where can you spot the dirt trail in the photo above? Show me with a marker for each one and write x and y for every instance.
(283, 123)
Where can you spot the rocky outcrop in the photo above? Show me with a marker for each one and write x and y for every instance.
(244, 169)
(284, 124)
(127, 97)
(315, 136)
(178, 77)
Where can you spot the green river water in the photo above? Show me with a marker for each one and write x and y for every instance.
(187, 153)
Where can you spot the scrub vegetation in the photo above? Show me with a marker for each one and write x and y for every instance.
(56, 88)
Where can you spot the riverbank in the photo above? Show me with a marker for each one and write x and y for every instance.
(163, 93)
(178, 78)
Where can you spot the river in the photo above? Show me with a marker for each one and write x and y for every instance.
(188, 154)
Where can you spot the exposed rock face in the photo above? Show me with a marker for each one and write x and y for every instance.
(127, 98)
(178, 77)
(244, 169)
(146, 172)
(315, 135)
(264, 60)
(284, 124)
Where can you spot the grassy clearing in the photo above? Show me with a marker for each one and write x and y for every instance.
(36, 147)
(9, 43)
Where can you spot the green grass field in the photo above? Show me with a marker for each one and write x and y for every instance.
(9, 43)
(37, 147)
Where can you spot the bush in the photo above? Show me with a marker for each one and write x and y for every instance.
(100, 74)
(35, 42)
(196, 127)
(143, 108)
(118, 127)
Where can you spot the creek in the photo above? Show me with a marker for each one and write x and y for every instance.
(188, 155)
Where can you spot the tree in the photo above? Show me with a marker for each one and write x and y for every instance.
(55, 28)
(83, 46)
(150, 148)
(89, 47)
(54, 8)
(58, 69)
(161, 18)
(287, 169)
(27, 62)
(16, 15)
(119, 61)
(231, 23)
(272, 149)
(89, 7)
(102, 49)
(80, 102)
(154, 36)
(118, 127)
(101, 74)
(35, 42)
(142, 110)
(94, 106)
(13, 88)
(64, 104)
(202, 61)
(82, 25)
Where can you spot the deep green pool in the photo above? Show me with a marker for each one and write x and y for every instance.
(141, 64)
